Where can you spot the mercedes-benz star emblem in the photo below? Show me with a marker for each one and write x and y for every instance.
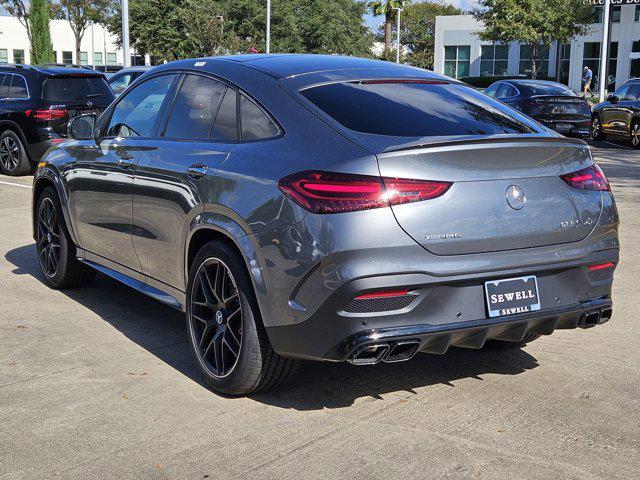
(89, 103)
(515, 197)
(219, 317)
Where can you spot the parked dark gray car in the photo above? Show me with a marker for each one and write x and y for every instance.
(328, 208)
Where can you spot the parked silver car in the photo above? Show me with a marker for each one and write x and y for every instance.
(328, 208)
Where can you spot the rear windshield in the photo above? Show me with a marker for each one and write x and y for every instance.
(416, 109)
(551, 90)
(64, 89)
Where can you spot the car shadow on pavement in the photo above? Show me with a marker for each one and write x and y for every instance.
(161, 331)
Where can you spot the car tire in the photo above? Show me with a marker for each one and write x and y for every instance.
(55, 251)
(501, 344)
(224, 327)
(635, 134)
(13, 156)
(596, 129)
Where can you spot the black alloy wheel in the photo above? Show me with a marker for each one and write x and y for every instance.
(48, 238)
(216, 320)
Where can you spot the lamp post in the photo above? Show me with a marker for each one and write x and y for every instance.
(126, 61)
(605, 48)
(268, 49)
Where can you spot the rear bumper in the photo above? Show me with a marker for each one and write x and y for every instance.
(473, 334)
(37, 150)
(446, 311)
(576, 128)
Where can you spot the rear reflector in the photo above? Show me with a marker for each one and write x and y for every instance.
(329, 192)
(590, 178)
(601, 266)
(383, 294)
(47, 115)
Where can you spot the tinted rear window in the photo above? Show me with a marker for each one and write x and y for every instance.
(415, 109)
(551, 90)
(65, 89)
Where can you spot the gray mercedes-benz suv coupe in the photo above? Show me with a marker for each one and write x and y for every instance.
(328, 208)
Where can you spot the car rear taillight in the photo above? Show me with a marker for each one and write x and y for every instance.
(601, 266)
(590, 178)
(46, 115)
(329, 192)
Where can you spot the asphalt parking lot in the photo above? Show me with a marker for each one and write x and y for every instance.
(99, 383)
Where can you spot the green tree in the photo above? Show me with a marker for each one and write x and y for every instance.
(419, 28)
(173, 29)
(80, 14)
(41, 48)
(536, 23)
(388, 9)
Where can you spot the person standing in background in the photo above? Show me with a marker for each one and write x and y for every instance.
(586, 81)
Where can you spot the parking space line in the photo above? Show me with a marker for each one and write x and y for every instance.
(16, 184)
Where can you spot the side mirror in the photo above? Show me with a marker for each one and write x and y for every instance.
(82, 127)
(612, 99)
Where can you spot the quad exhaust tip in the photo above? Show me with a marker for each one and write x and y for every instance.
(595, 317)
(384, 352)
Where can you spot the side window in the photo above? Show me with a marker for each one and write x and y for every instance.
(195, 108)
(256, 124)
(621, 93)
(634, 92)
(225, 127)
(18, 87)
(4, 85)
(510, 91)
(492, 89)
(502, 91)
(120, 84)
(136, 114)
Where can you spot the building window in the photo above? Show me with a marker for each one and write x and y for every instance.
(67, 58)
(637, 14)
(598, 13)
(457, 60)
(565, 60)
(97, 58)
(4, 55)
(635, 47)
(84, 58)
(111, 59)
(494, 60)
(591, 59)
(18, 56)
(542, 62)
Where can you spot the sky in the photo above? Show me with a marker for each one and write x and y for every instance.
(373, 22)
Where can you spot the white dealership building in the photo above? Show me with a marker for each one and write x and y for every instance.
(98, 46)
(459, 52)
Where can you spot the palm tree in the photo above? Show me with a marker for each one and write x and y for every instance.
(386, 7)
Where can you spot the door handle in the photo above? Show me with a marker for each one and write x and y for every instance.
(126, 162)
(197, 170)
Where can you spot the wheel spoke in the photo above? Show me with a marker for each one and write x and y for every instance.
(218, 287)
(229, 299)
(207, 289)
(232, 343)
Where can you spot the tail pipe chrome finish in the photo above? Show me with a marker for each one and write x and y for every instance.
(369, 354)
(402, 351)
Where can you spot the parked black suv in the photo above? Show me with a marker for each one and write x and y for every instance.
(619, 114)
(36, 102)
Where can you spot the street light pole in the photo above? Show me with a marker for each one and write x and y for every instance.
(126, 61)
(398, 40)
(268, 26)
(605, 48)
